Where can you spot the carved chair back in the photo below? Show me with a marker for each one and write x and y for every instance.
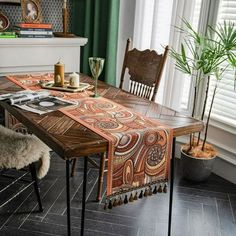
(145, 69)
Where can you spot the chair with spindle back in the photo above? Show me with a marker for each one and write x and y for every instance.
(145, 69)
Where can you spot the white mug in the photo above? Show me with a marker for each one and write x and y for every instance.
(74, 80)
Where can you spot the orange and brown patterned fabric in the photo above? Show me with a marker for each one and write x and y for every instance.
(139, 148)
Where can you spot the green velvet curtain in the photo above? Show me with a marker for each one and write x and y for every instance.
(98, 21)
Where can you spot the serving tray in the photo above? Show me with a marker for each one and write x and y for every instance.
(66, 87)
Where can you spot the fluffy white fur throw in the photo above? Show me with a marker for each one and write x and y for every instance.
(18, 150)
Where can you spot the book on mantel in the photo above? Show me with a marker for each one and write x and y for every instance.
(33, 30)
(34, 25)
(34, 36)
(8, 35)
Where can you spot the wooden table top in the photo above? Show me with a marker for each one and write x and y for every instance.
(70, 139)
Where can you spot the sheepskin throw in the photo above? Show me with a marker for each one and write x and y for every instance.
(18, 150)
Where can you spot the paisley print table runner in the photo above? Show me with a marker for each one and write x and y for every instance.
(139, 148)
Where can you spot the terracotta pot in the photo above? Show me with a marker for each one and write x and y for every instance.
(196, 169)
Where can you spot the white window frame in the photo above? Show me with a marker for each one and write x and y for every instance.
(208, 16)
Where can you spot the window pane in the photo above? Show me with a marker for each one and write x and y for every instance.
(224, 108)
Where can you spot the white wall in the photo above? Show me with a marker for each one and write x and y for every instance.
(225, 164)
(126, 28)
(225, 143)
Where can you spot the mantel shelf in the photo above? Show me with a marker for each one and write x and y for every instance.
(79, 41)
(26, 55)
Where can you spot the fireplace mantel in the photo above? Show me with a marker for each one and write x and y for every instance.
(25, 55)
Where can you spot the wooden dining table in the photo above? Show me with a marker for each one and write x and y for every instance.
(70, 139)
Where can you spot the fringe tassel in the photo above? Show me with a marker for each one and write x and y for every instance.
(131, 198)
(110, 204)
(150, 191)
(155, 190)
(120, 201)
(145, 192)
(165, 188)
(159, 190)
(126, 199)
(141, 194)
(115, 203)
(123, 198)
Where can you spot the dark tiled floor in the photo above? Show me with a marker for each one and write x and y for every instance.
(199, 209)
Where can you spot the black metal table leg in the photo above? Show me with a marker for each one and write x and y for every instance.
(68, 196)
(172, 172)
(36, 188)
(84, 196)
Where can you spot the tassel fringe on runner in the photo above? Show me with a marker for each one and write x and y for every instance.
(121, 197)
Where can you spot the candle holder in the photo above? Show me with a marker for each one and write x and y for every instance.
(64, 34)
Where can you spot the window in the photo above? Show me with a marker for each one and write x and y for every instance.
(224, 108)
(187, 81)
(157, 18)
(154, 28)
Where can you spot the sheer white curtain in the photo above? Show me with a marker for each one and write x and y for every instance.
(152, 23)
(154, 28)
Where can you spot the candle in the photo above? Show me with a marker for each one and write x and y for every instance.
(74, 80)
(64, 16)
(59, 74)
(64, 4)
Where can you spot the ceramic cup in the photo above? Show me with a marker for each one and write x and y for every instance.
(74, 80)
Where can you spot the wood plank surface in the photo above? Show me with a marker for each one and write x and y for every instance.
(70, 139)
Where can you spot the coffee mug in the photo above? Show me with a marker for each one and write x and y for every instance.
(74, 80)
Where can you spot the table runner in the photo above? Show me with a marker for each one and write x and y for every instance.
(139, 148)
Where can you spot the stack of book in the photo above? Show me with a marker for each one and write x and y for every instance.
(33, 30)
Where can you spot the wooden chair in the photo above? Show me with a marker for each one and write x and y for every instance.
(145, 69)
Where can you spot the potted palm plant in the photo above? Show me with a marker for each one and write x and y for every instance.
(204, 57)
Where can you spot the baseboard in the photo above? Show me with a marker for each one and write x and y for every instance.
(225, 170)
